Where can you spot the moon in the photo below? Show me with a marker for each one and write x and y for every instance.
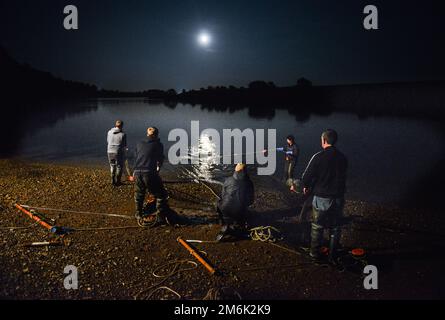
(204, 39)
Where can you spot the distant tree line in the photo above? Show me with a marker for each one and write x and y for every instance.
(256, 93)
(20, 82)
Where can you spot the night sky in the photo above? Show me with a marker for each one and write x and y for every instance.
(137, 45)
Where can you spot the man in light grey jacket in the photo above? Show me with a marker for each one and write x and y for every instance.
(117, 145)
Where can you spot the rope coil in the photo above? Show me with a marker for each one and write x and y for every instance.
(265, 234)
(223, 293)
(176, 270)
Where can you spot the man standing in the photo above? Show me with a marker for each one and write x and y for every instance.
(236, 196)
(149, 160)
(291, 152)
(325, 178)
(117, 145)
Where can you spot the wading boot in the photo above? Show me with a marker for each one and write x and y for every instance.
(139, 210)
(316, 239)
(334, 246)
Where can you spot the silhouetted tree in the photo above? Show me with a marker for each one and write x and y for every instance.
(260, 85)
(303, 82)
(171, 93)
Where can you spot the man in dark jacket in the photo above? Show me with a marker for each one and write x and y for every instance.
(116, 148)
(325, 178)
(291, 152)
(236, 196)
(149, 160)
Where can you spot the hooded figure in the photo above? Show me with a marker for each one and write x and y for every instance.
(116, 146)
(236, 196)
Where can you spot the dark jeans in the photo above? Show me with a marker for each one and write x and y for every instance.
(116, 161)
(289, 168)
(151, 183)
(330, 219)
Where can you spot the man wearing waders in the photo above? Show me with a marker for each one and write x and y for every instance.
(291, 152)
(236, 196)
(325, 178)
(117, 145)
(149, 160)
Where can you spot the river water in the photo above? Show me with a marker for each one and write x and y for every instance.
(388, 156)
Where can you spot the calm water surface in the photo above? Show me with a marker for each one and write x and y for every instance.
(387, 156)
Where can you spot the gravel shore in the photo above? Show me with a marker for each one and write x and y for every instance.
(116, 259)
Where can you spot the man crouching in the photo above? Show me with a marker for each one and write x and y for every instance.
(149, 160)
(237, 195)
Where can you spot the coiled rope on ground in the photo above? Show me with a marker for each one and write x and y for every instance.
(222, 294)
(265, 234)
(175, 270)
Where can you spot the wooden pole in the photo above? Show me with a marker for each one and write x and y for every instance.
(196, 255)
(34, 217)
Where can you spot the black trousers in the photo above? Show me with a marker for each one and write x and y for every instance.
(330, 219)
(151, 183)
(289, 169)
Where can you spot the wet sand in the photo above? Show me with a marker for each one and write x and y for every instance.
(405, 244)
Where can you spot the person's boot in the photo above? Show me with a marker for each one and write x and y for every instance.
(240, 231)
(173, 218)
(334, 243)
(118, 177)
(149, 208)
(113, 175)
(139, 213)
(145, 219)
(225, 235)
(305, 234)
(316, 241)
(165, 212)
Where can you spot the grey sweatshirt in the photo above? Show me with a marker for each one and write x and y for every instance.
(117, 141)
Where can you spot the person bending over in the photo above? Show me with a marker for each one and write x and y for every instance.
(149, 160)
(236, 196)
